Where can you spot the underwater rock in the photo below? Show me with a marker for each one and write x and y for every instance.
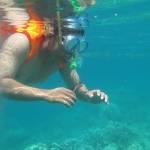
(118, 133)
(114, 136)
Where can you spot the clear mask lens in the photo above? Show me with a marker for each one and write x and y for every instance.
(74, 44)
(73, 33)
(71, 43)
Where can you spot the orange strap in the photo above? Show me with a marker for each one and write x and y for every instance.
(34, 30)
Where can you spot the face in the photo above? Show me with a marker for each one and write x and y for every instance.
(54, 47)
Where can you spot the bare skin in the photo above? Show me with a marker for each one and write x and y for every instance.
(17, 76)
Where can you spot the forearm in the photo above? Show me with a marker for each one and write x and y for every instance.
(81, 90)
(13, 89)
(74, 83)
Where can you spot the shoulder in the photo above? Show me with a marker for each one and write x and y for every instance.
(16, 44)
(13, 54)
(14, 51)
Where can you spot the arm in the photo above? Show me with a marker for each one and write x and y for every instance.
(72, 80)
(12, 56)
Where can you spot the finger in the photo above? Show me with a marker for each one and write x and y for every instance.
(73, 97)
(90, 94)
(93, 91)
(66, 103)
(106, 99)
(97, 92)
(69, 93)
(70, 101)
(102, 96)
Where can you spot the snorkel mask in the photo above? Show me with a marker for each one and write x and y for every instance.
(73, 31)
(70, 31)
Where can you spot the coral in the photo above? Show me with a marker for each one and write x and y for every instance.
(38, 146)
(118, 133)
(114, 136)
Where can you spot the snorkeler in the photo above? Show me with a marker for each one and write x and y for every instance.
(32, 53)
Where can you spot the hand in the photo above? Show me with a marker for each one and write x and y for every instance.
(96, 96)
(61, 95)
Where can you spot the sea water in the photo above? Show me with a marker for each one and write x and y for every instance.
(117, 61)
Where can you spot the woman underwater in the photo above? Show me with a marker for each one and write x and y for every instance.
(49, 42)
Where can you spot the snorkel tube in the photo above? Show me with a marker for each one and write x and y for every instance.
(73, 63)
(70, 31)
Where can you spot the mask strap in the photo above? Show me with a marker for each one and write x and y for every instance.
(59, 22)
